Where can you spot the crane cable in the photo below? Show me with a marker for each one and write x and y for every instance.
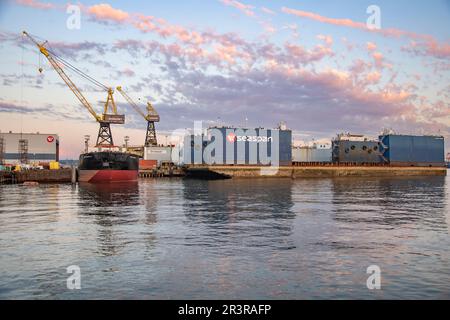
(72, 67)
(78, 71)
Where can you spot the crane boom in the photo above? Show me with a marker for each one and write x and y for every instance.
(131, 102)
(65, 78)
(152, 116)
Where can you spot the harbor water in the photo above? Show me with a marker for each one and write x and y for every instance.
(231, 239)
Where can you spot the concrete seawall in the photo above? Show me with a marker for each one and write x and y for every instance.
(311, 172)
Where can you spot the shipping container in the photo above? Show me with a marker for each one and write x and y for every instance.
(54, 165)
(408, 150)
(147, 164)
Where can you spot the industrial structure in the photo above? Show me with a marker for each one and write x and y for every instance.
(239, 146)
(28, 148)
(152, 116)
(389, 149)
(109, 116)
(159, 154)
(352, 148)
(407, 150)
(315, 153)
(227, 151)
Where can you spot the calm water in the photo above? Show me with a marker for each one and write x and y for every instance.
(249, 239)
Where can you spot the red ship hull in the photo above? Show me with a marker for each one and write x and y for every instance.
(107, 176)
(107, 167)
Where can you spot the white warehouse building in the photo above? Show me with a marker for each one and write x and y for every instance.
(32, 148)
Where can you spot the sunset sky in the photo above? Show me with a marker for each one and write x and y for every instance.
(313, 64)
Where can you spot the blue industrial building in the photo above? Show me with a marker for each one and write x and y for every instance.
(408, 150)
(239, 146)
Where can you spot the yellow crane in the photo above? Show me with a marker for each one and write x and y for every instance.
(109, 116)
(152, 116)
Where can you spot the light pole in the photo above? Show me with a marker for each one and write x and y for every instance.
(86, 143)
(127, 138)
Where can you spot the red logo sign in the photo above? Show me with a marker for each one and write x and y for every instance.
(231, 137)
(50, 139)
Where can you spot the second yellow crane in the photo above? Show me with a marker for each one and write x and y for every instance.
(152, 116)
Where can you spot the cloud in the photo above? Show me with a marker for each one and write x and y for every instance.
(373, 77)
(104, 11)
(73, 50)
(204, 74)
(430, 46)
(35, 4)
(327, 39)
(314, 16)
(244, 8)
(298, 54)
(126, 72)
(378, 59)
(371, 46)
(268, 11)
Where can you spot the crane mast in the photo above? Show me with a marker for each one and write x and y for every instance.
(151, 117)
(104, 138)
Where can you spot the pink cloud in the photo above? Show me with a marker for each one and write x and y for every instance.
(430, 46)
(229, 52)
(298, 54)
(314, 16)
(268, 11)
(378, 58)
(245, 8)
(127, 72)
(373, 77)
(35, 4)
(327, 39)
(104, 11)
(371, 46)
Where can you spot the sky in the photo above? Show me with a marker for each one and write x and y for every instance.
(316, 65)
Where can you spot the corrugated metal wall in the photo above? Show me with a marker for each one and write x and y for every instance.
(413, 150)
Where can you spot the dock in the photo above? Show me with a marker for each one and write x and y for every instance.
(41, 176)
(313, 171)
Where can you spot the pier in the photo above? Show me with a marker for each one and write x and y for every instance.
(311, 171)
(41, 176)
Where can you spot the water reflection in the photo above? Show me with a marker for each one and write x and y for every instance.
(242, 212)
(218, 201)
(257, 239)
(109, 205)
(391, 202)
